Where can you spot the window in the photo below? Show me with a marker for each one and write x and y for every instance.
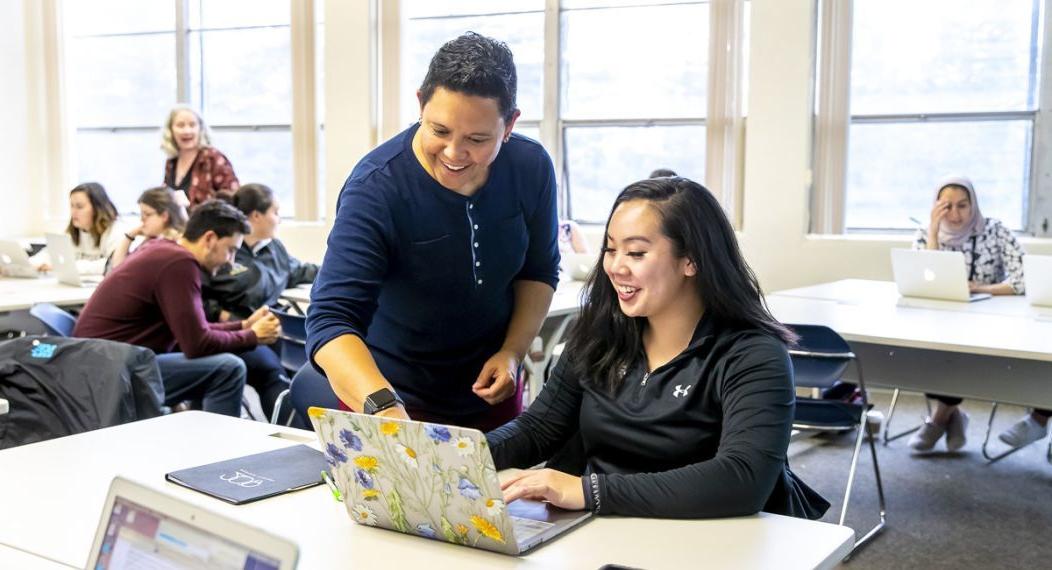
(129, 61)
(629, 90)
(935, 88)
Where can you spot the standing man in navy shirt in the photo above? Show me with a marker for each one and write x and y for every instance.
(443, 258)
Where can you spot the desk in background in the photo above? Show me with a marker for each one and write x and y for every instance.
(999, 349)
(53, 493)
(21, 294)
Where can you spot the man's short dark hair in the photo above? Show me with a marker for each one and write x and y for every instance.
(217, 216)
(474, 65)
(662, 173)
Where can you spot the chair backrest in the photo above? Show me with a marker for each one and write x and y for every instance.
(57, 321)
(820, 357)
(293, 340)
(309, 388)
(292, 326)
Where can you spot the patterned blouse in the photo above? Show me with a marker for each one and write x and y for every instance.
(210, 174)
(993, 256)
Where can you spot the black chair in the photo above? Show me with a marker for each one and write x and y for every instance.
(819, 360)
(57, 321)
(293, 348)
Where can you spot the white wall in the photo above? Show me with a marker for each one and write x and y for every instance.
(16, 215)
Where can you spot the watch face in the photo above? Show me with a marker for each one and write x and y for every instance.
(379, 400)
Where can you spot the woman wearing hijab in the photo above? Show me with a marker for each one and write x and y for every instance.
(995, 265)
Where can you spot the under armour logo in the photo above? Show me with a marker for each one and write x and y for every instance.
(681, 391)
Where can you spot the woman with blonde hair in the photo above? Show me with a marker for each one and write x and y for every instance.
(162, 215)
(194, 165)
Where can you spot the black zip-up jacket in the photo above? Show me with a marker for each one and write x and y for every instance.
(59, 386)
(253, 280)
(704, 435)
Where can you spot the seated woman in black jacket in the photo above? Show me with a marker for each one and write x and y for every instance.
(262, 267)
(675, 391)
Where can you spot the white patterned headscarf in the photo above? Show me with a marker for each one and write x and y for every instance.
(955, 238)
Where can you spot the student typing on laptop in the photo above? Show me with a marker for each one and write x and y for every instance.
(674, 397)
(94, 226)
(995, 266)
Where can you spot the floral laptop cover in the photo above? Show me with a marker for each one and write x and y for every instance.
(430, 480)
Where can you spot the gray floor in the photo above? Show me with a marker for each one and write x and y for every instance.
(943, 510)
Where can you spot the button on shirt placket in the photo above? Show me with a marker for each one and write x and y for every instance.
(473, 228)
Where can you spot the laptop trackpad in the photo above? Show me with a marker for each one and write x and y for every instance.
(531, 518)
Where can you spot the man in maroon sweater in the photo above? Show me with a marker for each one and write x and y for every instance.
(153, 299)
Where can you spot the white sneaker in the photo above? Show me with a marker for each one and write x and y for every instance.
(923, 440)
(1023, 432)
(874, 419)
(956, 431)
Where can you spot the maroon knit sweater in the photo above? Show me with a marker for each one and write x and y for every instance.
(153, 299)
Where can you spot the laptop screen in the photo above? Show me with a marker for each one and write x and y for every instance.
(139, 537)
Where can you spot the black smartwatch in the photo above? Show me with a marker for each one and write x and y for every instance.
(380, 400)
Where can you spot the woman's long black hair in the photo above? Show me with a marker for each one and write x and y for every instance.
(604, 341)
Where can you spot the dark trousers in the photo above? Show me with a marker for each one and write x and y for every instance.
(266, 375)
(217, 381)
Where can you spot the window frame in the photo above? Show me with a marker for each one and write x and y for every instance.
(303, 126)
(833, 120)
(723, 120)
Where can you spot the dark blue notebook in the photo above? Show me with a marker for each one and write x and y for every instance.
(254, 477)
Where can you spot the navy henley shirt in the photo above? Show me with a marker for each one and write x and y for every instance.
(424, 275)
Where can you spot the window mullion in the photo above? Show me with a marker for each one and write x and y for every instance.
(304, 113)
(182, 51)
(832, 123)
(723, 131)
(1039, 216)
(550, 127)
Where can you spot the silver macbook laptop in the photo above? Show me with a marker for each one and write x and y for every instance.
(14, 261)
(144, 528)
(431, 480)
(578, 265)
(932, 274)
(1037, 270)
(64, 262)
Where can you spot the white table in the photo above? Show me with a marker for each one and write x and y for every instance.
(20, 294)
(999, 349)
(52, 495)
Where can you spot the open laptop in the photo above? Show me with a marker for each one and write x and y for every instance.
(64, 262)
(932, 274)
(1037, 270)
(144, 528)
(431, 480)
(578, 265)
(14, 261)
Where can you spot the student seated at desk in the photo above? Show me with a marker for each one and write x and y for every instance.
(154, 300)
(262, 267)
(94, 227)
(675, 376)
(162, 217)
(995, 265)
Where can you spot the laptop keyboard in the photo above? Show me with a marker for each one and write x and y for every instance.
(526, 529)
